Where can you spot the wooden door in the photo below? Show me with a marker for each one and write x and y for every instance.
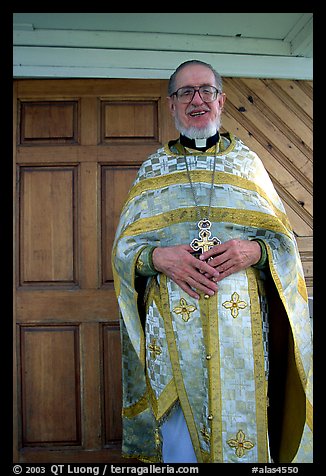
(79, 144)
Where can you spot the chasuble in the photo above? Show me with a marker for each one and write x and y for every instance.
(239, 363)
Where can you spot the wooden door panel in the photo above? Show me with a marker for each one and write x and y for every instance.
(48, 122)
(47, 225)
(50, 385)
(125, 120)
(112, 383)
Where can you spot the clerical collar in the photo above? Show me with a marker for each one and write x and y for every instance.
(199, 144)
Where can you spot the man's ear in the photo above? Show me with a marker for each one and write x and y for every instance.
(222, 99)
(171, 105)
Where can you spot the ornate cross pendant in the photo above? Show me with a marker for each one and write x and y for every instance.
(204, 243)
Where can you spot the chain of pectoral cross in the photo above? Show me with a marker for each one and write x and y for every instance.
(204, 242)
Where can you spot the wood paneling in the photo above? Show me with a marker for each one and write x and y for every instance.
(112, 383)
(50, 398)
(275, 119)
(129, 120)
(48, 122)
(47, 225)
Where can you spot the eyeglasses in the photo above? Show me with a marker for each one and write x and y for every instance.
(186, 94)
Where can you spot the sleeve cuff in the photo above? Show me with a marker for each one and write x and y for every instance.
(144, 263)
(264, 257)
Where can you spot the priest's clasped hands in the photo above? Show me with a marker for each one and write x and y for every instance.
(202, 275)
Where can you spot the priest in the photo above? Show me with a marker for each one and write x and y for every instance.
(216, 337)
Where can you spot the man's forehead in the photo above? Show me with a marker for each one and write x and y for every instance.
(195, 75)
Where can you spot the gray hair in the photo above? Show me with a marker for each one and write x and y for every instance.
(172, 80)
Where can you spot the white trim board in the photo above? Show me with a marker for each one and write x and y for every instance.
(67, 62)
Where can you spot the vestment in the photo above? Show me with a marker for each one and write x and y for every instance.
(211, 355)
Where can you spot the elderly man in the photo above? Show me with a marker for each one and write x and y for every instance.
(215, 327)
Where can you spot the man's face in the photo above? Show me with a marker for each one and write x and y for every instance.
(197, 119)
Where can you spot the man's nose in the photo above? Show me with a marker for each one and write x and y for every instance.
(197, 98)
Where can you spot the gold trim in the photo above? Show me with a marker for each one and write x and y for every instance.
(309, 414)
(203, 176)
(299, 363)
(275, 276)
(177, 374)
(156, 296)
(137, 408)
(209, 320)
(214, 380)
(164, 402)
(152, 291)
(302, 288)
(144, 459)
(259, 368)
(181, 215)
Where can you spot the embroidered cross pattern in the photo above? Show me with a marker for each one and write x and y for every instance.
(204, 242)
(240, 444)
(205, 433)
(184, 309)
(235, 304)
(154, 349)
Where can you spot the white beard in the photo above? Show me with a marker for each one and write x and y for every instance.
(197, 133)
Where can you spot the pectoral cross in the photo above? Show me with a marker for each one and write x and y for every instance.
(204, 243)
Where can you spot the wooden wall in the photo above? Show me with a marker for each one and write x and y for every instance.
(274, 118)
